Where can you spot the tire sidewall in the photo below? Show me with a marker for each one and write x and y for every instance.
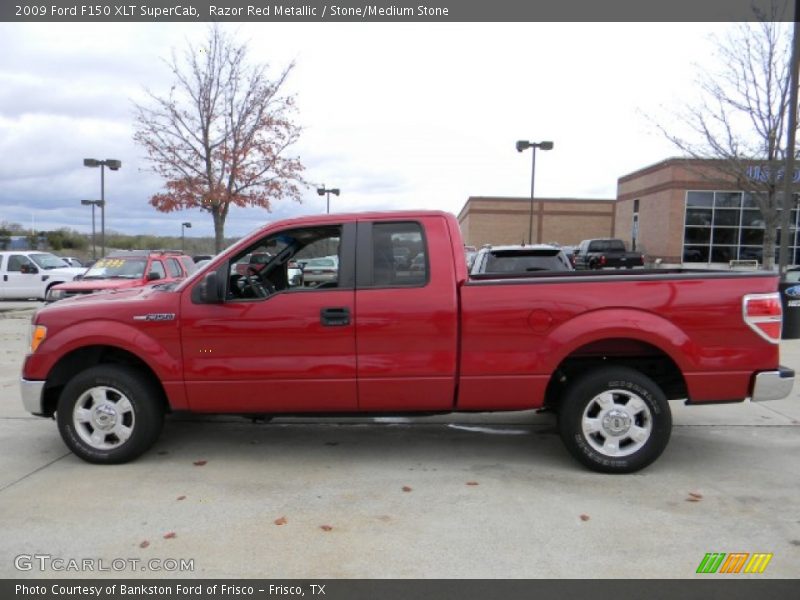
(583, 390)
(148, 416)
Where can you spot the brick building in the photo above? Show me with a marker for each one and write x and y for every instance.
(687, 211)
(486, 220)
(679, 210)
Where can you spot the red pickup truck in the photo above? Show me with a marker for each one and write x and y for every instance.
(603, 350)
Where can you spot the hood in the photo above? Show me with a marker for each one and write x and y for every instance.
(113, 304)
(68, 272)
(90, 285)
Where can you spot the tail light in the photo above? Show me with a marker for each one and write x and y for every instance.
(764, 315)
(602, 261)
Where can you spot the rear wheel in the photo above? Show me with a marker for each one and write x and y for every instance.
(110, 414)
(615, 420)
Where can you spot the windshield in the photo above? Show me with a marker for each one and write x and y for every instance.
(48, 261)
(117, 268)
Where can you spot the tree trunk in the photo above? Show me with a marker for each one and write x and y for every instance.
(219, 228)
(770, 233)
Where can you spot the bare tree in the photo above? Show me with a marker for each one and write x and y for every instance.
(221, 135)
(741, 118)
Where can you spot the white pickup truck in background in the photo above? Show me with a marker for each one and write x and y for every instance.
(29, 274)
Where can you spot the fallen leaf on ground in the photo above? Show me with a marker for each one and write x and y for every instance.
(691, 499)
(472, 483)
(144, 544)
(325, 527)
(584, 517)
(181, 498)
(695, 495)
(170, 536)
(406, 488)
(199, 463)
(281, 521)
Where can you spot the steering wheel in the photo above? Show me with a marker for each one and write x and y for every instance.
(253, 285)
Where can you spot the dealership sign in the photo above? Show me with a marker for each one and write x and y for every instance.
(765, 174)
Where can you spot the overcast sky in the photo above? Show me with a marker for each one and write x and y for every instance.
(399, 116)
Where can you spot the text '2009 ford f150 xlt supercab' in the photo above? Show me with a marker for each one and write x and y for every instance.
(605, 351)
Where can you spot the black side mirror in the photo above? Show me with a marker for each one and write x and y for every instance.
(152, 276)
(208, 291)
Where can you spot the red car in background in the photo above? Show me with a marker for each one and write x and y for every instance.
(126, 270)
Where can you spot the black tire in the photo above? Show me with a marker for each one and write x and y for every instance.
(627, 420)
(93, 403)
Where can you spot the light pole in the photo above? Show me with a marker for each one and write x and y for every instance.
(524, 145)
(323, 191)
(114, 165)
(93, 203)
(184, 226)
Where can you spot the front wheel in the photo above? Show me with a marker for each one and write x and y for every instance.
(615, 420)
(110, 414)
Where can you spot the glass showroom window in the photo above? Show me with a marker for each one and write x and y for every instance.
(725, 226)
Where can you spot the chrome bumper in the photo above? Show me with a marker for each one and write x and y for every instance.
(32, 396)
(773, 385)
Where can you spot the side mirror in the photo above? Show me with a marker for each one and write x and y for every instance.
(208, 291)
(152, 276)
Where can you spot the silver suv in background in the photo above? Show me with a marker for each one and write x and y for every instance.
(506, 260)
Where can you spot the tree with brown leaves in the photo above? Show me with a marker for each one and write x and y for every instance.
(220, 138)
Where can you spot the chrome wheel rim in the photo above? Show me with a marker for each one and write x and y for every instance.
(617, 423)
(103, 418)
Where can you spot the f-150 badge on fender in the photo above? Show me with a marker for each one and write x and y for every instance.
(155, 317)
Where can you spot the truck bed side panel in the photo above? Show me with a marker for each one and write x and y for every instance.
(516, 333)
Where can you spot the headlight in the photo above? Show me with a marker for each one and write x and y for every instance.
(37, 335)
(53, 295)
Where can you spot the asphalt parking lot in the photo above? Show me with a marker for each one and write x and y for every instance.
(480, 496)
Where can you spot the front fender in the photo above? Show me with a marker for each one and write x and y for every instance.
(154, 343)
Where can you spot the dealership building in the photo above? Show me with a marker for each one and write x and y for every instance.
(678, 210)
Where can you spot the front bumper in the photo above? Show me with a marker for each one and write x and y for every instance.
(32, 396)
(773, 385)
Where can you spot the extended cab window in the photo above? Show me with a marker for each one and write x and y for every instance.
(173, 267)
(295, 260)
(399, 256)
(157, 267)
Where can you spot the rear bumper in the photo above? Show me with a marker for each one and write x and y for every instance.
(32, 396)
(773, 385)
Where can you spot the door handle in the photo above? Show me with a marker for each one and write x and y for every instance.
(334, 317)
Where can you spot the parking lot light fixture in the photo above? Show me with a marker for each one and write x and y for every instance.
(114, 165)
(322, 191)
(523, 145)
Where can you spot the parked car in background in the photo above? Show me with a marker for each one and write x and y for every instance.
(200, 257)
(520, 259)
(469, 254)
(122, 270)
(319, 271)
(72, 261)
(30, 274)
(606, 253)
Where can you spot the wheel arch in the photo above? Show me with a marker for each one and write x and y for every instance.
(85, 357)
(642, 356)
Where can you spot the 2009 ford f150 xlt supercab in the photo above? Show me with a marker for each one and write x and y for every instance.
(604, 350)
